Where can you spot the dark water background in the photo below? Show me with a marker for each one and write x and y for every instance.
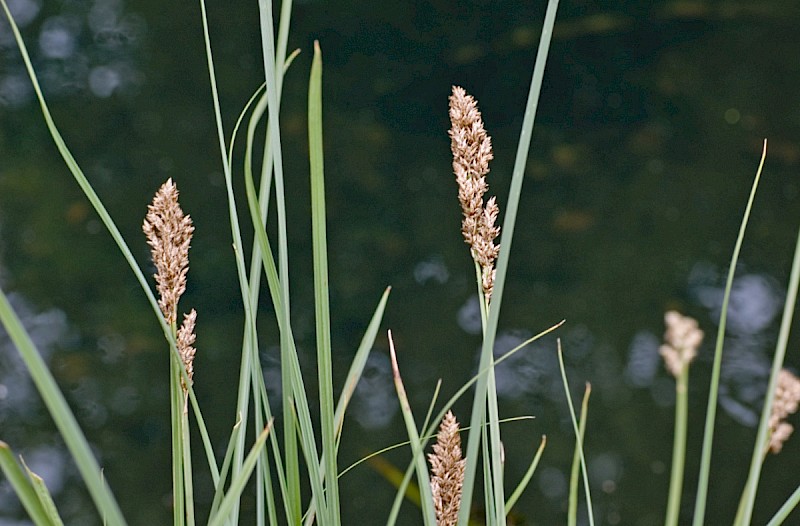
(648, 135)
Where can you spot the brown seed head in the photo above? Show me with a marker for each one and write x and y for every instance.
(185, 344)
(472, 151)
(447, 467)
(169, 234)
(681, 341)
(785, 403)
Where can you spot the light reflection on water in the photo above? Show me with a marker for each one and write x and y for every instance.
(67, 65)
(375, 401)
(755, 304)
(20, 401)
(17, 392)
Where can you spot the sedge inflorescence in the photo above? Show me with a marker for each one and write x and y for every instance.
(785, 403)
(681, 342)
(472, 151)
(169, 234)
(447, 468)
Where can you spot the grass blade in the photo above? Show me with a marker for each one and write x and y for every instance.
(43, 494)
(358, 363)
(239, 482)
(176, 429)
(578, 435)
(786, 509)
(321, 287)
(353, 376)
(219, 492)
(289, 376)
(22, 486)
(61, 414)
(428, 514)
(527, 477)
(572, 514)
(711, 411)
(777, 364)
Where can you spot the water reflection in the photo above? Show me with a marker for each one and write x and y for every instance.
(57, 37)
(754, 302)
(432, 269)
(64, 62)
(754, 306)
(20, 401)
(532, 371)
(19, 397)
(469, 316)
(643, 359)
(375, 401)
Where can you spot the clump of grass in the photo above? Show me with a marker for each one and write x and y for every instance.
(446, 496)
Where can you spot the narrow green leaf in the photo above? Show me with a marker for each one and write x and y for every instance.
(219, 492)
(353, 376)
(291, 379)
(527, 477)
(488, 487)
(578, 435)
(777, 364)
(61, 414)
(22, 486)
(208, 447)
(321, 301)
(711, 411)
(404, 486)
(572, 513)
(188, 482)
(786, 509)
(424, 440)
(418, 458)
(176, 427)
(359, 361)
(43, 494)
(239, 482)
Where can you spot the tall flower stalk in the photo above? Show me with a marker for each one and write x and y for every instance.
(472, 150)
(681, 342)
(169, 234)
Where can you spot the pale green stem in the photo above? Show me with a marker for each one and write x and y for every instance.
(678, 446)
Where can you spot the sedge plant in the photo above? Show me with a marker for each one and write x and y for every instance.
(293, 460)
